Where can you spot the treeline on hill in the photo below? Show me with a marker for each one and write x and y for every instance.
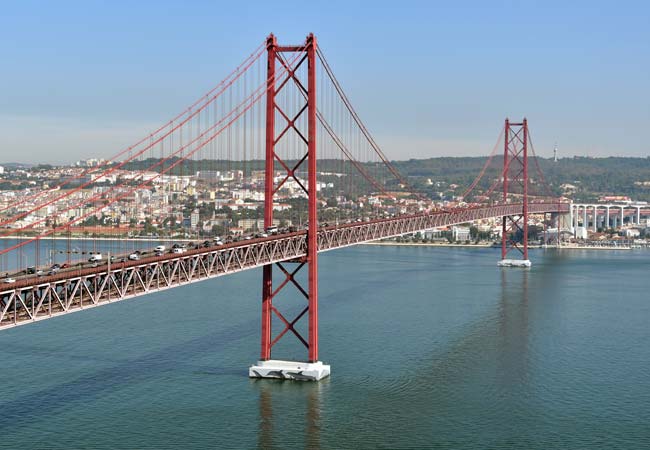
(192, 166)
(592, 177)
(332, 167)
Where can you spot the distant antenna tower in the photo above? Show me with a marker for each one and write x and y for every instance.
(555, 153)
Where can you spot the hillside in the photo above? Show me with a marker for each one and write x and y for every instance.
(591, 176)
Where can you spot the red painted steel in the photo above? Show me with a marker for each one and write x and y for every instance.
(504, 230)
(36, 298)
(267, 271)
(310, 259)
(525, 182)
(312, 233)
(514, 228)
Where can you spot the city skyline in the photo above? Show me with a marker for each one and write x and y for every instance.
(89, 80)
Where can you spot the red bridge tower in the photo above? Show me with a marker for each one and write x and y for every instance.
(293, 122)
(514, 229)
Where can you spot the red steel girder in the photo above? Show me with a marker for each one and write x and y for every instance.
(35, 298)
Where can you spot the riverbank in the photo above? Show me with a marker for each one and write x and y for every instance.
(591, 247)
(432, 244)
(425, 244)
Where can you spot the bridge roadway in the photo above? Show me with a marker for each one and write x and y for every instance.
(37, 298)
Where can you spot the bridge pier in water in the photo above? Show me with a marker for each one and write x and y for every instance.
(312, 369)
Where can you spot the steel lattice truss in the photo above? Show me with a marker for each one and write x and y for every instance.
(40, 298)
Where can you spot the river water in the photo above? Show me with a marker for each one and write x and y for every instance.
(429, 348)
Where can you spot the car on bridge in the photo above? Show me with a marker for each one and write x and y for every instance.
(272, 229)
(9, 280)
(95, 258)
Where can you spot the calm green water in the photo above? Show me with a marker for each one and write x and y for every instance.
(471, 356)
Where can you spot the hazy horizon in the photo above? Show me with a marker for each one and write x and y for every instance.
(6, 163)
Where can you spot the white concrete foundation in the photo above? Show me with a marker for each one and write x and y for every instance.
(514, 263)
(289, 370)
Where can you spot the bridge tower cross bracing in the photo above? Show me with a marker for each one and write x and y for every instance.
(514, 229)
(313, 369)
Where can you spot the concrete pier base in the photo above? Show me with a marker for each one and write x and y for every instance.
(289, 370)
(514, 263)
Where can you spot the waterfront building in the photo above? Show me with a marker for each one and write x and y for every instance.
(194, 219)
(460, 233)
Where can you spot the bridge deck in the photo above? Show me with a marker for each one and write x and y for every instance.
(38, 298)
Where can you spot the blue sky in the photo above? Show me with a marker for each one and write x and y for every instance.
(85, 78)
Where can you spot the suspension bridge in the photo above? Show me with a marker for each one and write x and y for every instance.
(280, 132)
